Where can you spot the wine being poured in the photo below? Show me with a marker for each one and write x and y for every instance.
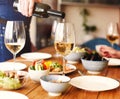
(44, 11)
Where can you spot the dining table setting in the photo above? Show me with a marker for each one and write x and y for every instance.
(82, 84)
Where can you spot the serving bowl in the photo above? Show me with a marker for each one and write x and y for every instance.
(55, 85)
(75, 55)
(36, 74)
(12, 80)
(93, 66)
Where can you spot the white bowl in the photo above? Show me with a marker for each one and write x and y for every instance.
(74, 57)
(55, 85)
(36, 74)
(94, 67)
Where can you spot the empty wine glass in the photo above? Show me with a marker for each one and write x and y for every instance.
(14, 37)
(64, 40)
(112, 33)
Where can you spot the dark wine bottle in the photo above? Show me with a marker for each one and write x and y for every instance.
(44, 11)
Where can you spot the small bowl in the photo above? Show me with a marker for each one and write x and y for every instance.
(55, 85)
(36, 74)
(74, 57)
(13, 80)
(94, 67)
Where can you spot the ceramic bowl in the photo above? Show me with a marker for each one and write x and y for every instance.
(94, 67)
(13, 80)
(55, 85)
(36, 74)
(76, 54)
(74, 57)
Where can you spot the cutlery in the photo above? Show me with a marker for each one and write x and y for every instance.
(81, 73)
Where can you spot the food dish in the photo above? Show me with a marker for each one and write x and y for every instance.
(36, 55)
(72, 67)
(55, 85)
(12, 66)
(11, 95)
(94, 83)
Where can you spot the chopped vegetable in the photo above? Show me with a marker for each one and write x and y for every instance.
(43, 65)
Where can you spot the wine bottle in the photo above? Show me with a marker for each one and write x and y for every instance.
(44, 11)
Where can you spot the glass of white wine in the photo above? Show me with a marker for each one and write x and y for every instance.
(54, 26)
(64, 40)
(15, 37)
(112, 33)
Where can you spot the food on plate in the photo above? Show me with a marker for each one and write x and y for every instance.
(51, 65)
(11, 80)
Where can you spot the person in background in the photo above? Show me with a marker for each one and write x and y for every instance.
(7, 12)
(107, 51)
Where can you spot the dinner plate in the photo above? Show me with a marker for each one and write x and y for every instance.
(114, 62)
(72, 69)
(12, 66)
(12, 95)
(36, 55)
(94, 83)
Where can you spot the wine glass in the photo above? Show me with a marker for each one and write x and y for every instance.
(14, 37)
(54, 25)
(112, 33)
(64, 40)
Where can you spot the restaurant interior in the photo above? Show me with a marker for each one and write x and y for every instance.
(81, 61)
(101, 12)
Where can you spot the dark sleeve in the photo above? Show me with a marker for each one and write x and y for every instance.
(8, 12)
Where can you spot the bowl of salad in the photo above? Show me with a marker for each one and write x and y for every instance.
(76, 54)
(12, 80)
(38, 69)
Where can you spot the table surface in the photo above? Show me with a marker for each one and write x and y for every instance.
(34, 90)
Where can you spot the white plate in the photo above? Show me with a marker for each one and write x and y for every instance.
(73, 68)
(72, 62)
(36, 55)
(11, 95)
(12, 66)
(94, 83)
(114, 62)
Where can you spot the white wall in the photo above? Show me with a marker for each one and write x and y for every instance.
(100, 16)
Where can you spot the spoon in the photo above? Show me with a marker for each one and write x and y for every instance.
(81, 73)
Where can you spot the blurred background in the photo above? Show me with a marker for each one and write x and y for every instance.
(97, 12)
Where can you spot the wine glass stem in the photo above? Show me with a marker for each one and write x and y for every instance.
(64, 64)
(14, 57)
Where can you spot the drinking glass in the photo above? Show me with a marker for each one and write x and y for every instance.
(54, 25)
(112, 33)
(64, 40)
(14, 37)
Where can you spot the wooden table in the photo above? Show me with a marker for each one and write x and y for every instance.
(34, 90)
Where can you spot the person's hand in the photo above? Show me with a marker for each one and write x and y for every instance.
(107, 51)
(26, 7)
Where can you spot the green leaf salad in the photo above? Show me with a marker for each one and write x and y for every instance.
(11, 80)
